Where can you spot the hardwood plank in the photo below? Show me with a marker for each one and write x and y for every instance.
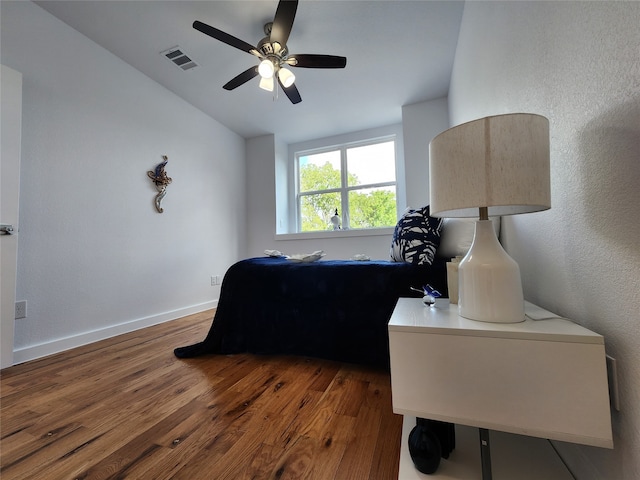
(385, 456)
(353, 394)
(282, 426)
(358, 457)
(323, 376)
(42, 451)
(127, 408)
(180, 444)
(263, 463)
(296, 460)
(143, 450)
(385, 460)
(326, 460)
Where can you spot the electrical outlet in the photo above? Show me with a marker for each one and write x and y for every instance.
(21, 309)
(612, 377)
(215, 280)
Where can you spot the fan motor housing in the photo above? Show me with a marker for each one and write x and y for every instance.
(268, 49)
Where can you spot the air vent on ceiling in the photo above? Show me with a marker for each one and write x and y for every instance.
(179, 58)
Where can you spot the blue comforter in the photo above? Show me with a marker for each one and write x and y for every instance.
(337, 310)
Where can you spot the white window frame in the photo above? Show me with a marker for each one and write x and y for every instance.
(361, 138)
(344, 188)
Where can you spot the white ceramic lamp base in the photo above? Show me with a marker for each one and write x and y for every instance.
(490, 288)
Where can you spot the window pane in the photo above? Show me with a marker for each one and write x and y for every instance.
(371, 164)
(372, 207)
(320, 171)
(316, 211)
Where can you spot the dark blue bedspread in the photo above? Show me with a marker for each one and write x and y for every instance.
(337, 310)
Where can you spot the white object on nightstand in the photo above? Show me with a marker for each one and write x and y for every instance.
(544, 378)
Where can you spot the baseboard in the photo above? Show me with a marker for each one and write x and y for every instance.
(33, 352)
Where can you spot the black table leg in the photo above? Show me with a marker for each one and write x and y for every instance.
(485, 454)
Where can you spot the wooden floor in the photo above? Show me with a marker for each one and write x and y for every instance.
(127, 408)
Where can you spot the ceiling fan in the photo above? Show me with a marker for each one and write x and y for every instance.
(273, 52)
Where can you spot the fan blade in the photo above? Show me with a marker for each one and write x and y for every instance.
(291, 92)
(283, 21)
(243, 78)
(317, 61)
(225, 38)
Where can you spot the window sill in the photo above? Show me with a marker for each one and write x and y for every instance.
(369, 232)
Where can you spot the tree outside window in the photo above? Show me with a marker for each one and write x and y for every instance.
(358, 181)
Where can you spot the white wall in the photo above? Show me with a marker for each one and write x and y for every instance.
(95, 258)
(261, 194)
(420, 123)
(578, 63)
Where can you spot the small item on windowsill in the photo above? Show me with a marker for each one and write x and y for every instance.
(335, 221)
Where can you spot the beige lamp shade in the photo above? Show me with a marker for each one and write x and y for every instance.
(500, 162)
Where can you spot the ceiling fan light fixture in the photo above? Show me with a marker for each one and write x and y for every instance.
(267, 84)
(273, 53)
(286, 76)
(266, 68)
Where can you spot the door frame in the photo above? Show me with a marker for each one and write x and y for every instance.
(11, 137)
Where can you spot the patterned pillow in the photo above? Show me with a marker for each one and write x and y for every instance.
(416, 237)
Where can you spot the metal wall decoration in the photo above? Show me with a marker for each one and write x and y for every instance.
(161, 179)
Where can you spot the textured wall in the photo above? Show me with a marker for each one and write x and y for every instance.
(95, 258)
(420, 123)
(578, 63)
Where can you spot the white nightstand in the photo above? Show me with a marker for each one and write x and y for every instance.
(543, 378)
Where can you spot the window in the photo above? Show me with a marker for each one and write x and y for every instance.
(356, 180)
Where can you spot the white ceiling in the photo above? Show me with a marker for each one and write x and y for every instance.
(398, 52)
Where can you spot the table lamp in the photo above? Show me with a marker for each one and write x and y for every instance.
(493, 166)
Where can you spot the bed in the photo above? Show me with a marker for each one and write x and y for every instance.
(331, 309)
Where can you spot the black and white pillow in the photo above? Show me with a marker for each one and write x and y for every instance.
(416, 237)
